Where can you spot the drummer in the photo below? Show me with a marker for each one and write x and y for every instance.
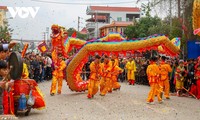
(6, 98)
(4, 52)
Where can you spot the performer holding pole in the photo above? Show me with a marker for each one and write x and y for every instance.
(58, 75)
(95, 71)
(114, 73)
(106, 77)
(153, 74)
(165, 69)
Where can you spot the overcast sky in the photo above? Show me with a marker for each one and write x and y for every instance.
(53, 13)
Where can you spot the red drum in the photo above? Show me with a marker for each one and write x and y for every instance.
(24, 86)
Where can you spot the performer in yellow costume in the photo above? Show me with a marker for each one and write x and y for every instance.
(95, 71)
(114, 73)
(179, 77)
(131, 67)
(58, 75)
(153, 74)
(106, 82)
(164, 77)
(25, 72)
(116, 60)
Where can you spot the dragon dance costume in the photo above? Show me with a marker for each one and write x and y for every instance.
(114, 75)
(106, 82)
(58, 77)
(93, 86)
(164, 78)
(131, 67)
(153, 74)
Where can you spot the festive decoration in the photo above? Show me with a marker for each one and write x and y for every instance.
(24, 50)
(42, 47)
(111, 46)
(196, 15)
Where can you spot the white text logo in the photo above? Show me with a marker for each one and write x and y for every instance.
(23, 12)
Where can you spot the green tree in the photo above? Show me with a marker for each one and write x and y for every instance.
(159, 29)
(5, 35)
(78, 34)
(141, 28)
(130, 31)
(147, 9)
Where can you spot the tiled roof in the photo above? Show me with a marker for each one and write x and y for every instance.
(84, 31)
(119, 9)
(3, 8)
(117, 24)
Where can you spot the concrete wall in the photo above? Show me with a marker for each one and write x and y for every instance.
(115, 15)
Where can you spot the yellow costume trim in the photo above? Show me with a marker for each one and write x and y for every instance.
(196, 15)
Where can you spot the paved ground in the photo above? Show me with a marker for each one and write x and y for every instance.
(126, 104)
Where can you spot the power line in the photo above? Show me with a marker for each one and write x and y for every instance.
(79, 3)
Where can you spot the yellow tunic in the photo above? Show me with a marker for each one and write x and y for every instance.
(95, 71)
(164, 78)
(59, 71)
(106, 82)
(93, 85)
(164, 71)
(131, 67)
(114, 72)
(25, 72)
(58, 77)
(116, 62)
(153, 74)
(179, 77)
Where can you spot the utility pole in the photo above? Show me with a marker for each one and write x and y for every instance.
(170, 14)
(96, 21)
(78, 23)
(47, 36)
(44, 36)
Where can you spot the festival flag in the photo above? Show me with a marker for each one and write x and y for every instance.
(24, 50)
(42, 47)
(74, 34)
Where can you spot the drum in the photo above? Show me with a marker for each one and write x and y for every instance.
(16, 64)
